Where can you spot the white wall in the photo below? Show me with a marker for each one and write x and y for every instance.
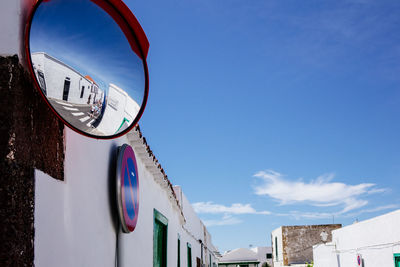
(9, 27)
(376, 240)
(262, 254)
(277, 261)
(74, 219)
(379, 230)
(324, 255)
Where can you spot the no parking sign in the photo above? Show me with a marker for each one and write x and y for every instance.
(127, 188)
(359, 260)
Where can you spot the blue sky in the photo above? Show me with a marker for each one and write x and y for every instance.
(86, 38)
(272, 113)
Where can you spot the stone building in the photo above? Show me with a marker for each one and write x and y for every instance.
(293, 245)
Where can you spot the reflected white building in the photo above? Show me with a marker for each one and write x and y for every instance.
(119, 112)
(60, 81)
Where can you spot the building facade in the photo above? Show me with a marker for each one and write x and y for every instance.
(293, 245)
(243, 257)
(374, 242)
(264, 255)
(240, 257)
(75, 221)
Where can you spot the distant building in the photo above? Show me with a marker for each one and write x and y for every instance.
(242, 257)
(293, 245)
(375, 241)
(264, 255)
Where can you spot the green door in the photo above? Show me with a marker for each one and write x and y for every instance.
(396, 260)
(160, 240)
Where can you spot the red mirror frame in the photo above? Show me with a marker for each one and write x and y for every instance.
(133, 32)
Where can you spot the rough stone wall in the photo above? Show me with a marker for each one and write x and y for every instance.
(31, 137)
(299, 240)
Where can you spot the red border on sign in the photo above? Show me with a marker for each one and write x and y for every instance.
(130, 223)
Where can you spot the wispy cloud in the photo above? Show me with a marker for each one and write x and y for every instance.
(299, 215)
(225, 220)
(236, 208)
(372, 210)
(319, 192)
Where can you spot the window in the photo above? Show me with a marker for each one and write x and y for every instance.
(210, 262)
(276, 248)
(179, 252)
(160, 240)
(189, 255)
(67, 83)
(42, 81)
(82, 91)
(269, 255)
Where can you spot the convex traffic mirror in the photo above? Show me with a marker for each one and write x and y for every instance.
(88, 60)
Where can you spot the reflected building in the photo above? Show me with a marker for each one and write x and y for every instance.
(60, 81)
(79, 99)
(120, 111)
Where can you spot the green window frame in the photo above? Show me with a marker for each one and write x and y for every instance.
(160, 237)
(396, 258)
(189, 255)
(123, 121)
(276, 248)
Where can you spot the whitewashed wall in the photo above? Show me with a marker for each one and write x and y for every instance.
(55, 73)
(262, 254)
(277, 233)
(10, 11)
(376, 240)
(74, 219)
(324, 255)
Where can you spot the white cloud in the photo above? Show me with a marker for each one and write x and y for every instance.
(226, 220)
(307, 215)
(236, 208)
(319, 192)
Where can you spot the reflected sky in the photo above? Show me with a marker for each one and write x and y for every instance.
(83, 36)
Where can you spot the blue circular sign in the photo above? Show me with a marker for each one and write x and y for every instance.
(127, 188)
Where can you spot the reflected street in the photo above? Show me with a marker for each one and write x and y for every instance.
(79, 115)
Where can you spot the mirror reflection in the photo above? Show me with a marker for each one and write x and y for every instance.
(86, 67)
